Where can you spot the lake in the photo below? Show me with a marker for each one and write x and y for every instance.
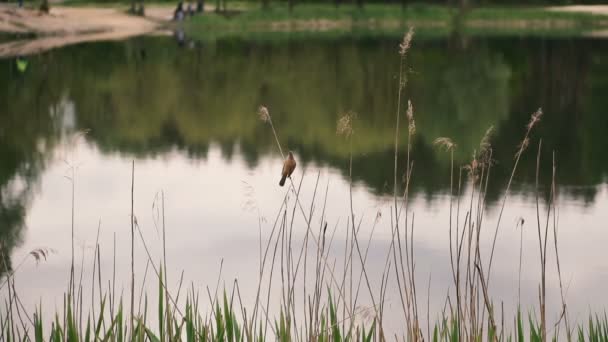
(185, 113)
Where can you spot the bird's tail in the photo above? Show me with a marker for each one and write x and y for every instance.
(282, 182)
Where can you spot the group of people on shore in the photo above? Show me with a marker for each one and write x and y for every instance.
(181, 13)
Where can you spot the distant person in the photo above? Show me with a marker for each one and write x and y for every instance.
(178, 15)
(180, 37)
(20, 2)
(190, 10)
(200, 6)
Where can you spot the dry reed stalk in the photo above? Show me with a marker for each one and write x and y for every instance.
(166, 268)
(345, 128)
(93, 274)
(131, 331)
(403, 49)
(11, 286)
(520, 224)
(141, 289)
(414, 331)
(369, 241)
(265, 116)
(263, 262)
(541, 295)
(281, 227)
(157, 272)
(179, 291)
(534, 120)
(72, 180)
(291, 273)
(78, 308)
(449, 146)
(212, 299)
(308, 330)
(303, 250)
(564, 313)
(99, 280)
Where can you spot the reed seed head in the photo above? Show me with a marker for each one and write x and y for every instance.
(345, 125)
(41, 254)
(445, 143)
(263, 114)
(534, 119)
(410, 118)
(485, 145)
(485, 148)
(473, 167)
(406, 43)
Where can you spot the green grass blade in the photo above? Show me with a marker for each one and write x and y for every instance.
(100, 320)
(161, 310)
(151, 336)
(87, 334)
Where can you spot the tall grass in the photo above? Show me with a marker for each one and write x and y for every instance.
(319, 301)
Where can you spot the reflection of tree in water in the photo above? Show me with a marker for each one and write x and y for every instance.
(567, 80)
(12, 215)
(27, 131)
(168, 98)
(458, 94)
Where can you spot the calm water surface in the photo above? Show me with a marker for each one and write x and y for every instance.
(186, 114)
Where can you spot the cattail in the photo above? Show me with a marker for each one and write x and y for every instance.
(263, 114)
(410, 118)
(345, 125)
(404, 46)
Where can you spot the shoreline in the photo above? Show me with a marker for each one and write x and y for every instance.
(70, 25)
(66, 25)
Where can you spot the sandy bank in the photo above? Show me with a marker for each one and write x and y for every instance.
(591, 9)
(69, 25)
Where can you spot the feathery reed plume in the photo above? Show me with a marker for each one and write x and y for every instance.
(263, 114)
(410, 118)
(485, 140)
(345, 125)
(472, 167)
(41, 254)
(406, 43)
(445, 143)
(534, 119)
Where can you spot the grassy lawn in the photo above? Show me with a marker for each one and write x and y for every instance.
(429, 20)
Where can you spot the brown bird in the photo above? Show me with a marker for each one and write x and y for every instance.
(288, 166)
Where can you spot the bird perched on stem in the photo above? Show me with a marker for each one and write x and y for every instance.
(288, 166)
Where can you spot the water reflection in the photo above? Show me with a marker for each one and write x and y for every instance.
(146, 98)
(28, 133)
